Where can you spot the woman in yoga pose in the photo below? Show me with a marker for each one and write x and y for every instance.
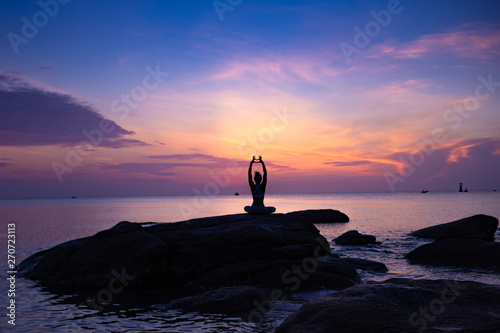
(258, 188)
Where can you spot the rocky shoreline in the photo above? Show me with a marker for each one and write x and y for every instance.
(242, 264)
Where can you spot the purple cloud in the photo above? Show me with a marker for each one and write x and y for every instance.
(33, 117)
(157, 169)
(47, 69)
(475, 164)
(184, 160)
(122, 143)
(185, 157)
(197, 160)
(479, 165)
(212, 162)
(352, 163)
(4, 165)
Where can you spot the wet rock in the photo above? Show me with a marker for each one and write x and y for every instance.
(227, 300)
(353, 237)
(401, 305)
(366, 265)
(459, 252)
(477, 226)
(270, 251)
(321, 216)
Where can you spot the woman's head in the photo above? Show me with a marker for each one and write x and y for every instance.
(257, 178)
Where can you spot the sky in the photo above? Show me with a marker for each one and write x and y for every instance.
(145, 98)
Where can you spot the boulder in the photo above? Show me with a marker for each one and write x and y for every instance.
(126, 248)
(278, 251)
(353, 237)
(401, 305)
(226, 300)
(477, 226)
(321, 216)
(366, 265)
(459, 252)
(288, 275)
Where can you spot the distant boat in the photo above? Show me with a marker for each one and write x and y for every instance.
(73, 197)
(236, 193)
(466, 190)
(424, 191)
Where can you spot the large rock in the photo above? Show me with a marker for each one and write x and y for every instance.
(461, 252)
(282, 251)
(126, 249)
(228, 300)
(477, 226)
(366, 265)
(321, 216)
(353, 237)
(401, 305)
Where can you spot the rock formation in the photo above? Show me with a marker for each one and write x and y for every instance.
(353, 237)
(401, 305)
(283, 251)
(464, 243)
(478, 226)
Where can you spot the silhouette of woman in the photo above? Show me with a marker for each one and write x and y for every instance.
(258, 188)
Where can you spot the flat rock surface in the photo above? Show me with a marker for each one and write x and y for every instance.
(458, 252)
(401, 305)
(478, 226)
(283, 251)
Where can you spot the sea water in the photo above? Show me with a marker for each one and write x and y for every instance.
(43, 223)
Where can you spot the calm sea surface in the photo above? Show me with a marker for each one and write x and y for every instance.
(43, 223)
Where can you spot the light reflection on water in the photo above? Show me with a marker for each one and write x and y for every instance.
(390, 217)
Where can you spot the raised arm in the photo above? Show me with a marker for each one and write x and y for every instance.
(250, 181)
(264, 178)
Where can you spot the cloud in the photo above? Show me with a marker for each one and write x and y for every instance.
(473, 162)
(475, 159)
(183, 161)
(352, 163)
(122, 143)
(277, 69)
(198, 160)
(34, 117)
(4, 165)
(164, 169)
(466, 41)
(185, 157)
(156, 169)
(45, 69)
(213, 162)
